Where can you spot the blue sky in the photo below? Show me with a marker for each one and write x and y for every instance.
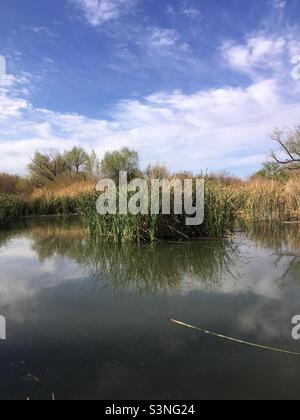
(194, 84)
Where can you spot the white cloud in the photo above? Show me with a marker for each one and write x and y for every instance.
(11, 81)
(258, 53)
(12, 104)
(170, 9)
(263, 57)
(226, 128)
(11, 107)
(41, 30)
(98, 12)
(44, 30)
(161, 38)
(187, 10)
(191, 12)
(279, 4)
(20, 264)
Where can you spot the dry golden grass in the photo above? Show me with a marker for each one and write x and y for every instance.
(270, 200)
(70, 191)
(257, 199)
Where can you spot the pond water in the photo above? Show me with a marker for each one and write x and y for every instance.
(88, 319)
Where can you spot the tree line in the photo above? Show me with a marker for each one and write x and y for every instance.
(79, 165)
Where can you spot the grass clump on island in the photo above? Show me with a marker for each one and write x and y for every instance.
(219, 219)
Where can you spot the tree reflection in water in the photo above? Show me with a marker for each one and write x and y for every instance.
(160, 268)
(284, 241)
(157, 269)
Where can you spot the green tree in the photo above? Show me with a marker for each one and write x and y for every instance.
(122, 160)
(47, 167)
(77, 160)
(8, 183)
(273, 170)
(157, 172)
(93, 167)
(74, 163)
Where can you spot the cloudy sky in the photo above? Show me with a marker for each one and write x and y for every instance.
(194, 84)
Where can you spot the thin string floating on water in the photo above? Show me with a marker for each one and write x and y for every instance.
(224, 337)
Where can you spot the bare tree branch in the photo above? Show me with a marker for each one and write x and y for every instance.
(289, 146)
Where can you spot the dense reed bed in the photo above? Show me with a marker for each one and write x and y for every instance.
(270, 200)
(14, 207)
(220, 213)
(43, 202)
(253, 201)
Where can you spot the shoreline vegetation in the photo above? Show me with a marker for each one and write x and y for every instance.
(65, 184)
(254, 200)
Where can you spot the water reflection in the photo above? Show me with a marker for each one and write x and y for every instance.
(277, 237)
(160, 268)
(69, 334)
(284, 241)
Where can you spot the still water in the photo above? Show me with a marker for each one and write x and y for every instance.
(87, 319)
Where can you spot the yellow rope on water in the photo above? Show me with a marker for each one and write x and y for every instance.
(224, 337)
